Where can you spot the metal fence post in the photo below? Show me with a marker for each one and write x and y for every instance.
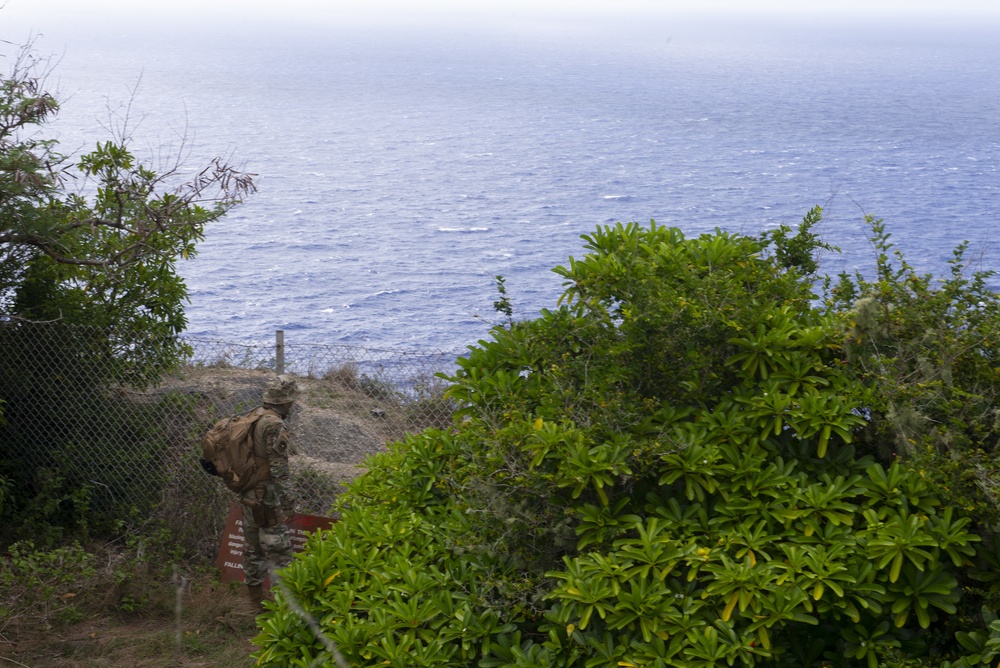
(279, 346)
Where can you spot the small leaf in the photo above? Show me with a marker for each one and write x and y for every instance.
(727, 613)
(897, 564)
(765, 638)
(824, 438)
(818, 591)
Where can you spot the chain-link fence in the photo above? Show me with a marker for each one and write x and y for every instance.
(75, 416)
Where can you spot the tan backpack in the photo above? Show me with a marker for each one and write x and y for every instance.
(228, 446)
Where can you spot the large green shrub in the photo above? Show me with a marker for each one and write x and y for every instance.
(659, 472)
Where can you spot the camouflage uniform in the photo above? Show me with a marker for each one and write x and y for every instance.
(267, 506)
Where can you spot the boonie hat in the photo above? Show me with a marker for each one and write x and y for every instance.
(281, 390)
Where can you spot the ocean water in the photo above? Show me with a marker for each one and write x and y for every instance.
(401, 168)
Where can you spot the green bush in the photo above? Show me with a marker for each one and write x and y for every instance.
(78, 449)
(661, 471)
(927, 354)
(39, 585)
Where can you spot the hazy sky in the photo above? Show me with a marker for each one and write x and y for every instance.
(48, 10)
(63, 23)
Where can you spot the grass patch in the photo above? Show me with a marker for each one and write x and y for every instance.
(115, 604)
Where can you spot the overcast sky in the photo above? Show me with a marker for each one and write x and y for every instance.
(47, 10)
(61, 24)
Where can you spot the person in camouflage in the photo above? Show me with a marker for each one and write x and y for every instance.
(267, 506)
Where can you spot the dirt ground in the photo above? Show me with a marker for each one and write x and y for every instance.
(208, 625)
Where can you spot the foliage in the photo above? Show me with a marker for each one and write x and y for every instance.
(662, 471)
(926, 354)
(90, 242)
(350, 376)
(503, 305)
(984, 646)
(315, 484)
(426, 403)
(104, 253)
(126, 602)
(43, 582)
(59, 409)
(5, 495)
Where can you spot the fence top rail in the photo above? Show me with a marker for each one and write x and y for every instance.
(14, 323)
(261, 343)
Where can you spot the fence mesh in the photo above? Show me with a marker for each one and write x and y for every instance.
(74, 411)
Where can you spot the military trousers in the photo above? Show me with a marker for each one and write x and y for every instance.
(267, 545)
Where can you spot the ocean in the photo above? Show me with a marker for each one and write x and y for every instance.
(402, 167)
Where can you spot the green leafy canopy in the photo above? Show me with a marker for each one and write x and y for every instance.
(663, 470)
(95, 240)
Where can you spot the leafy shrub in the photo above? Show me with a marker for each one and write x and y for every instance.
(99, 256)
(63, 400)
(662, 471)
(428, 405)
(5, 495)
(40, 584)
(927, 355)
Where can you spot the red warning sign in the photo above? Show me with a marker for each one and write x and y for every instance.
(230, 560)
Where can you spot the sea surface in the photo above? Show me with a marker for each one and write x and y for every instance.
(401, 168)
